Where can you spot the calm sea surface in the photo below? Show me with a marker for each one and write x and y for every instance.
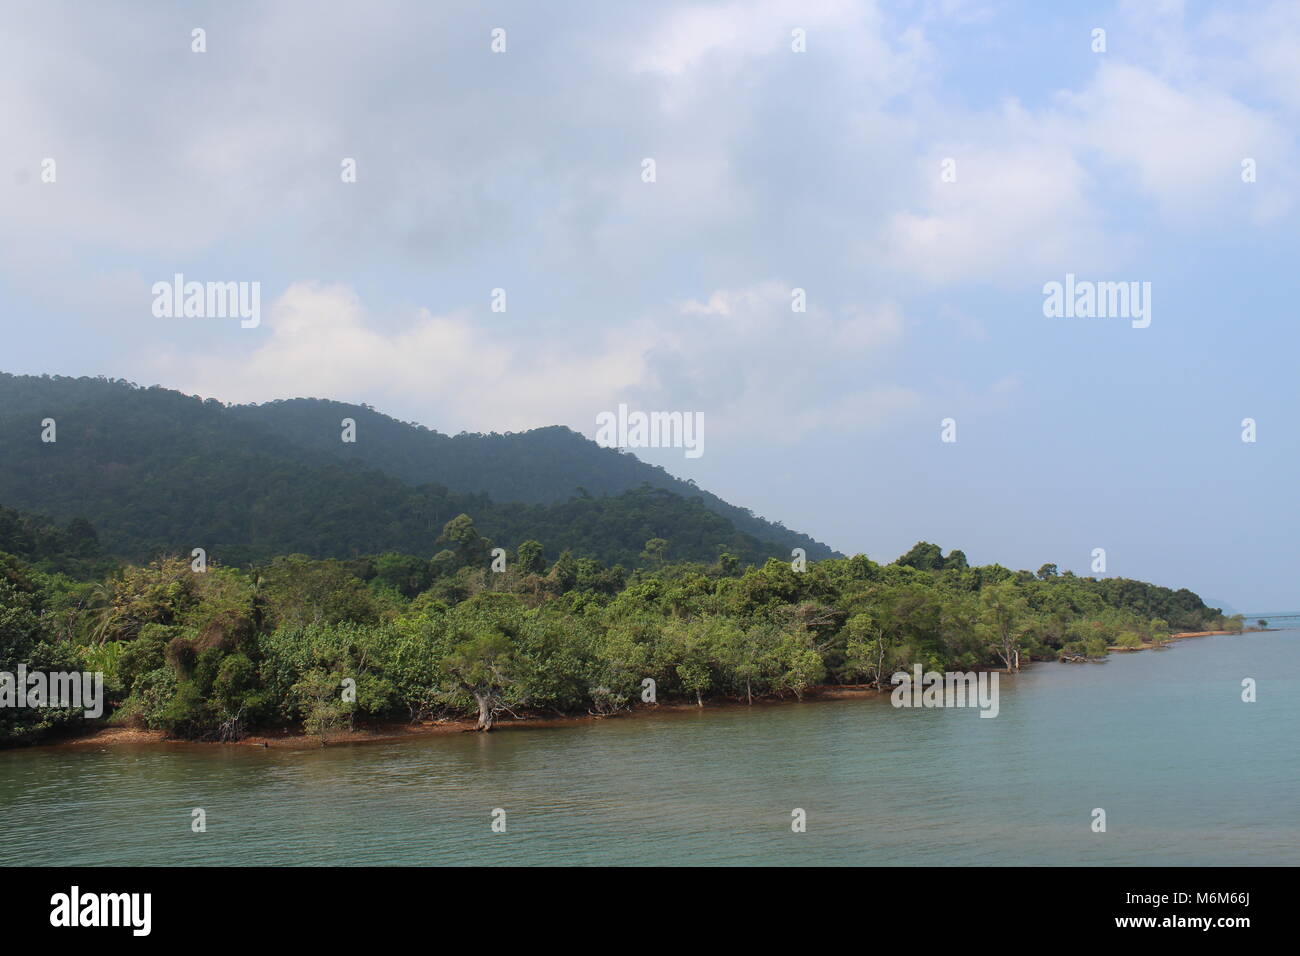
(1187, 773)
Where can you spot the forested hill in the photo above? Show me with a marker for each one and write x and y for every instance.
(72, 550)
(155, 471)
(541, 466)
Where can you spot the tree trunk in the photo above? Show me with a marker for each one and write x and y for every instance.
(485, 715)
(749, 692)
(1010, 654)
(699, 699)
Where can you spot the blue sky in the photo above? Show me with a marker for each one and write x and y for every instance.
(775, 170)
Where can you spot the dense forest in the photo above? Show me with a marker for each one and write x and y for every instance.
(541, 466)
(230, 569)
(157, 471)
(213, 652)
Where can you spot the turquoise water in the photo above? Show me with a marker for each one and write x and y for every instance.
(1188, 775)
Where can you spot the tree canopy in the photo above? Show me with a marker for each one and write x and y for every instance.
(223, 652)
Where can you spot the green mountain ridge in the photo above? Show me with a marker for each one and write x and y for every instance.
(156, 471)
(560, 462)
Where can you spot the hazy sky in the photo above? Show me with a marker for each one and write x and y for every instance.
(775, 169)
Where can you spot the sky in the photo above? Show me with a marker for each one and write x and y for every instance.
(920, 170)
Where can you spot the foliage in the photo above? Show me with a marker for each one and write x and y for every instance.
(419, 627)
(159, 472)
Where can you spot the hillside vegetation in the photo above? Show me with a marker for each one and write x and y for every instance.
(215, 653)
(232, 569)
(156, 471)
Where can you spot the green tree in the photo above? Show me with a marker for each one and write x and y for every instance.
(462, 538)
(867, 649)
(530, 560)
(1158, 630)
(655, 552)
(320, 696)
(744, 655)
(1003, 618)
(407, 574)
(485, 665)
(800, 666)
(956, 561)
(924, 556)
(300, 591)
(564, 573)
(691, 646)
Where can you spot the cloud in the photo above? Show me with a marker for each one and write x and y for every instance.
(1059, 187)
(763, 370)
(533, 156)
(1019, 205)
(461, 374)
(741, 356)
(521, 170)
(1181, 146)
(694, 41)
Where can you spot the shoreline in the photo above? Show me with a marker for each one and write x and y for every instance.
(387, 733)
(1115, 648)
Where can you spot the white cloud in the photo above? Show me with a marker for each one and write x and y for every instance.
(763, 371)
(734, 33)
(522, 170)
(1041, 190)
(322, 343)
(1182, 146)
(742, 357)
(1019, 205)
(1253, 49)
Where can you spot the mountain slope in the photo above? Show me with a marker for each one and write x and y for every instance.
(157, 471)
(540, 466)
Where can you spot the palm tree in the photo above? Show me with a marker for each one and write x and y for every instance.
(103, 611)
